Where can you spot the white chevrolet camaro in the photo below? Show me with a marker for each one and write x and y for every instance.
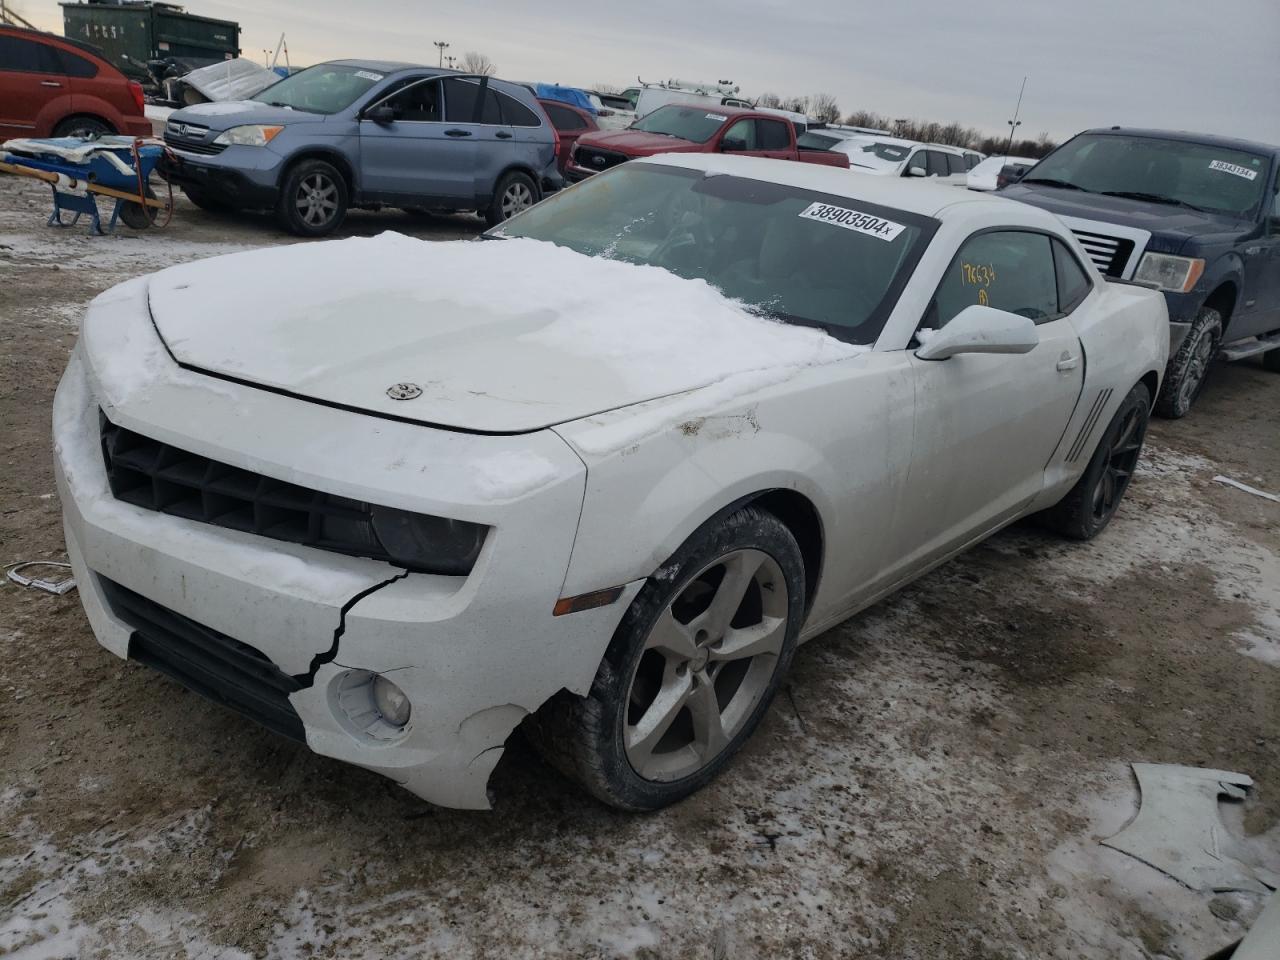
(601, 472)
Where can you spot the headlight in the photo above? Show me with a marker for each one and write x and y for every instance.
(1178, 274)
(433, 544)
(250, 135)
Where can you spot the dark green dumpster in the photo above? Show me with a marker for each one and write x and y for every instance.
(131, 32)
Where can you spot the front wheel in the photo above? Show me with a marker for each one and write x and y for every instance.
(313, 199)
(1189, 367)
(516, 192)
(690, 671)
(1085, 512)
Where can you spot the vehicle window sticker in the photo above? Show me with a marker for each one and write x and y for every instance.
(855, 220)
(367, 75)
(716, 117)
(1233, 169)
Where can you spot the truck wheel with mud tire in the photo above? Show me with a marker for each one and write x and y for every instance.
(1189, 368)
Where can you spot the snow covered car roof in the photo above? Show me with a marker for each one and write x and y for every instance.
(913, 196)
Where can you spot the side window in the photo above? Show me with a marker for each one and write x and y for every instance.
(955, 163)
(918, 161)
(1073, 282)
(562, 118)
(742, 135)
(773, 135)
(417, 103)
(27, 56)
(1010, 270)
(517, 114)
(971, 160)
(492, 112)
(460, 100)
(74, 66)
(937, 163)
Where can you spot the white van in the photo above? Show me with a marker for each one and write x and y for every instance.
(653, 96)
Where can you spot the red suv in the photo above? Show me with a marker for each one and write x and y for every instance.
(50, 86)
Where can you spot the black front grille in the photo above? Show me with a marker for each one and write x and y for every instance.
(157, 476)
(593, 158)
(207, 662)
(193, 146)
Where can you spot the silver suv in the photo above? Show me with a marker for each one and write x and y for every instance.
(368, 134)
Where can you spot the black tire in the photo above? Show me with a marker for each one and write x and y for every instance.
(1085, 512)
(204, 201)
(84, 127)
(584, 737)
(1271, 360)
(138, 217)
(1188, 369)
(313, 199)
(515, 192)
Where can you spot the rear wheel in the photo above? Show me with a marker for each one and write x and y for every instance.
(690, 671)
(313, 199)
(516, 192)
(83, 127)
(1189, 367)
(1085, 512)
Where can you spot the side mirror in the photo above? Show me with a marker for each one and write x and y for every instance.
(979, 329)
(732, 145)
(917, 172)
(380, 114)
(1009, 174)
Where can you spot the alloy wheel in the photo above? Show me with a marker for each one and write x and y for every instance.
(517, 197)
(708, 659)
(1122, 458)
(317, 199)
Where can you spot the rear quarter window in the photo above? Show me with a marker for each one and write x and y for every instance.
(76, 66)
(516, 113)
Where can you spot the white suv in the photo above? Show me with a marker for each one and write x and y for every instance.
(892, 157)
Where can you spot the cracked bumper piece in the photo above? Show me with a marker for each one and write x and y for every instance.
(296, 630)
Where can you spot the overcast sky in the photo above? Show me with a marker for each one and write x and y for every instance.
(1185, 64)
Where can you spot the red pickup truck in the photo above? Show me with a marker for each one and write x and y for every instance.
(686, 128)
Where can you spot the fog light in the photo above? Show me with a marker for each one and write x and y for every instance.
(390, 701)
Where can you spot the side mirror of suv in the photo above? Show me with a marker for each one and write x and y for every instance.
(380, 114)
(917, 170)
(732, 145)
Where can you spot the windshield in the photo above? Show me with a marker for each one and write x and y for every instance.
(326, 88)
(793, 254)
(1161, 171)
(879, 155)
(695, 124)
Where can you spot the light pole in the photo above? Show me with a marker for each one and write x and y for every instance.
(1015, 123)
(452, 61)
(440, 45)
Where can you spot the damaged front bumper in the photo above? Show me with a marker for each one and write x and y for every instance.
(474, 654)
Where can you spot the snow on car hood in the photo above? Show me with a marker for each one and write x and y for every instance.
(499, 336)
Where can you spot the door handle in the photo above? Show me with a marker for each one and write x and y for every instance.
(503, 135)
(49, 83)
(1067, 362)
(457, 133)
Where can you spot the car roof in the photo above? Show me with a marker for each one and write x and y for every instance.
(387, 66)
(1187, 136)
(912, 196)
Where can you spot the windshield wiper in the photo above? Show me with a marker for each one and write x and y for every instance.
(1051, 182)
(1152, 198)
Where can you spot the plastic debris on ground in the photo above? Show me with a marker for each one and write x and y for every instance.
(1274, 498)
(1178, 830)
(59, 587)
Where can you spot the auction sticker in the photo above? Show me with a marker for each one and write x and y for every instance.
(1231, 168)
(855, 220)
(366, 75)
(716, 117)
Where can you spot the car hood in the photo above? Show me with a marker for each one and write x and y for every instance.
(637, 143)
(234, 113)
(502, 336)
(1160, 219)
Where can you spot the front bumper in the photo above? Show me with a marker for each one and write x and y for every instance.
(243, 177)
(474, 654)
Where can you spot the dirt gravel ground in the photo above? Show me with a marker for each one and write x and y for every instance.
(933, 783)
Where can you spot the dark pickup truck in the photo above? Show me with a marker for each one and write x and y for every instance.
(688, 128)
(1197, 216)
